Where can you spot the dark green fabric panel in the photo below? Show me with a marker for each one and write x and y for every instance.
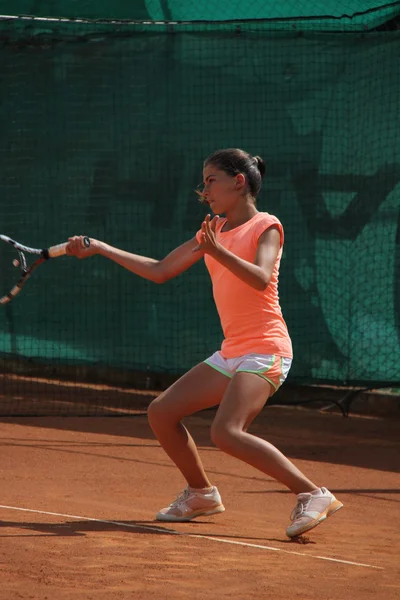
(349, 15)
(108, 138)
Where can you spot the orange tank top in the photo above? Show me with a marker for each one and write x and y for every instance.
(251, 319)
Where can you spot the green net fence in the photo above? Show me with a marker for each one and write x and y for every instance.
(309, 14)
(104, 130)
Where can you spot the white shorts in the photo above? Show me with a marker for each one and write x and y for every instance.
(271, 367)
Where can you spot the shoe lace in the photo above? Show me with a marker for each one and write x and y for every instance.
(181, 497)
(300, 508)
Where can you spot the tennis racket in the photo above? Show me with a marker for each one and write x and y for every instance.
(12, 257)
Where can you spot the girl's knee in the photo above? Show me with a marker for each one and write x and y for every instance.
(224, 437)
(156, 410)
(162, 411)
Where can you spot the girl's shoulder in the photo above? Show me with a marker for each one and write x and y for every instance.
(264, 217)
(263, 222)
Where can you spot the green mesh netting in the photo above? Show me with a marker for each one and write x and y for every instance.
(310, 14)
(105, 134)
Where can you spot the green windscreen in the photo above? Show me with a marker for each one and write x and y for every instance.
(104, 129)
(356, 15)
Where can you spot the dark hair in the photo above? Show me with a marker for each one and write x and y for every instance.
(234, 161)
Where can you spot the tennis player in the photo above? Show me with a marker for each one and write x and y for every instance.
(242, 253)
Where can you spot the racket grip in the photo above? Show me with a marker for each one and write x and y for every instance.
(60, 249)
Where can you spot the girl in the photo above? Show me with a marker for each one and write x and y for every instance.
(242, 253)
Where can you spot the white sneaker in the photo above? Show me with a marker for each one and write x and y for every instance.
(311, 510)
(192, 503)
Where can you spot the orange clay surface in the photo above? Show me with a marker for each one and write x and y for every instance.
(78, 498)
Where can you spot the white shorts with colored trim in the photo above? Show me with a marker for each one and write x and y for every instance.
(271, 367)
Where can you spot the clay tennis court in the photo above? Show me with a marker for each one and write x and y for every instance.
(79, 496)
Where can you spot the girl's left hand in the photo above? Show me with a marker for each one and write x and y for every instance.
(208, 243)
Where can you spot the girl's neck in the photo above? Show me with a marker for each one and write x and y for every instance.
(240, 214)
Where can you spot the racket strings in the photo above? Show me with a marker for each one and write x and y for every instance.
(22, 262)
(11, 268)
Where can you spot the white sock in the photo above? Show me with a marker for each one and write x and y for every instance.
(206, 490)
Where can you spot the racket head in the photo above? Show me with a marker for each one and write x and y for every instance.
(14, 270)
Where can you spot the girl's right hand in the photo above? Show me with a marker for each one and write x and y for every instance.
(77, 248)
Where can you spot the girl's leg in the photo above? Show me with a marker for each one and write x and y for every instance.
(244, 398)
(202, 387)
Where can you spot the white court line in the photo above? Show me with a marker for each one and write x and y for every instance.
(192, 535)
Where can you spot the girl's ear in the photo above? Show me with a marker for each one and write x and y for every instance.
(240, 180)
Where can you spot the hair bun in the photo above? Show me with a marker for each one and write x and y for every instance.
(260, 163)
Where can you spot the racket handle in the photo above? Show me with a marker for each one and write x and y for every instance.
(60, 249)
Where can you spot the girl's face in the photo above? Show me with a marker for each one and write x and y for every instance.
(221, 191)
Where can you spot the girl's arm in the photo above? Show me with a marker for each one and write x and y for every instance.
(257, 274)
(159, 271)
